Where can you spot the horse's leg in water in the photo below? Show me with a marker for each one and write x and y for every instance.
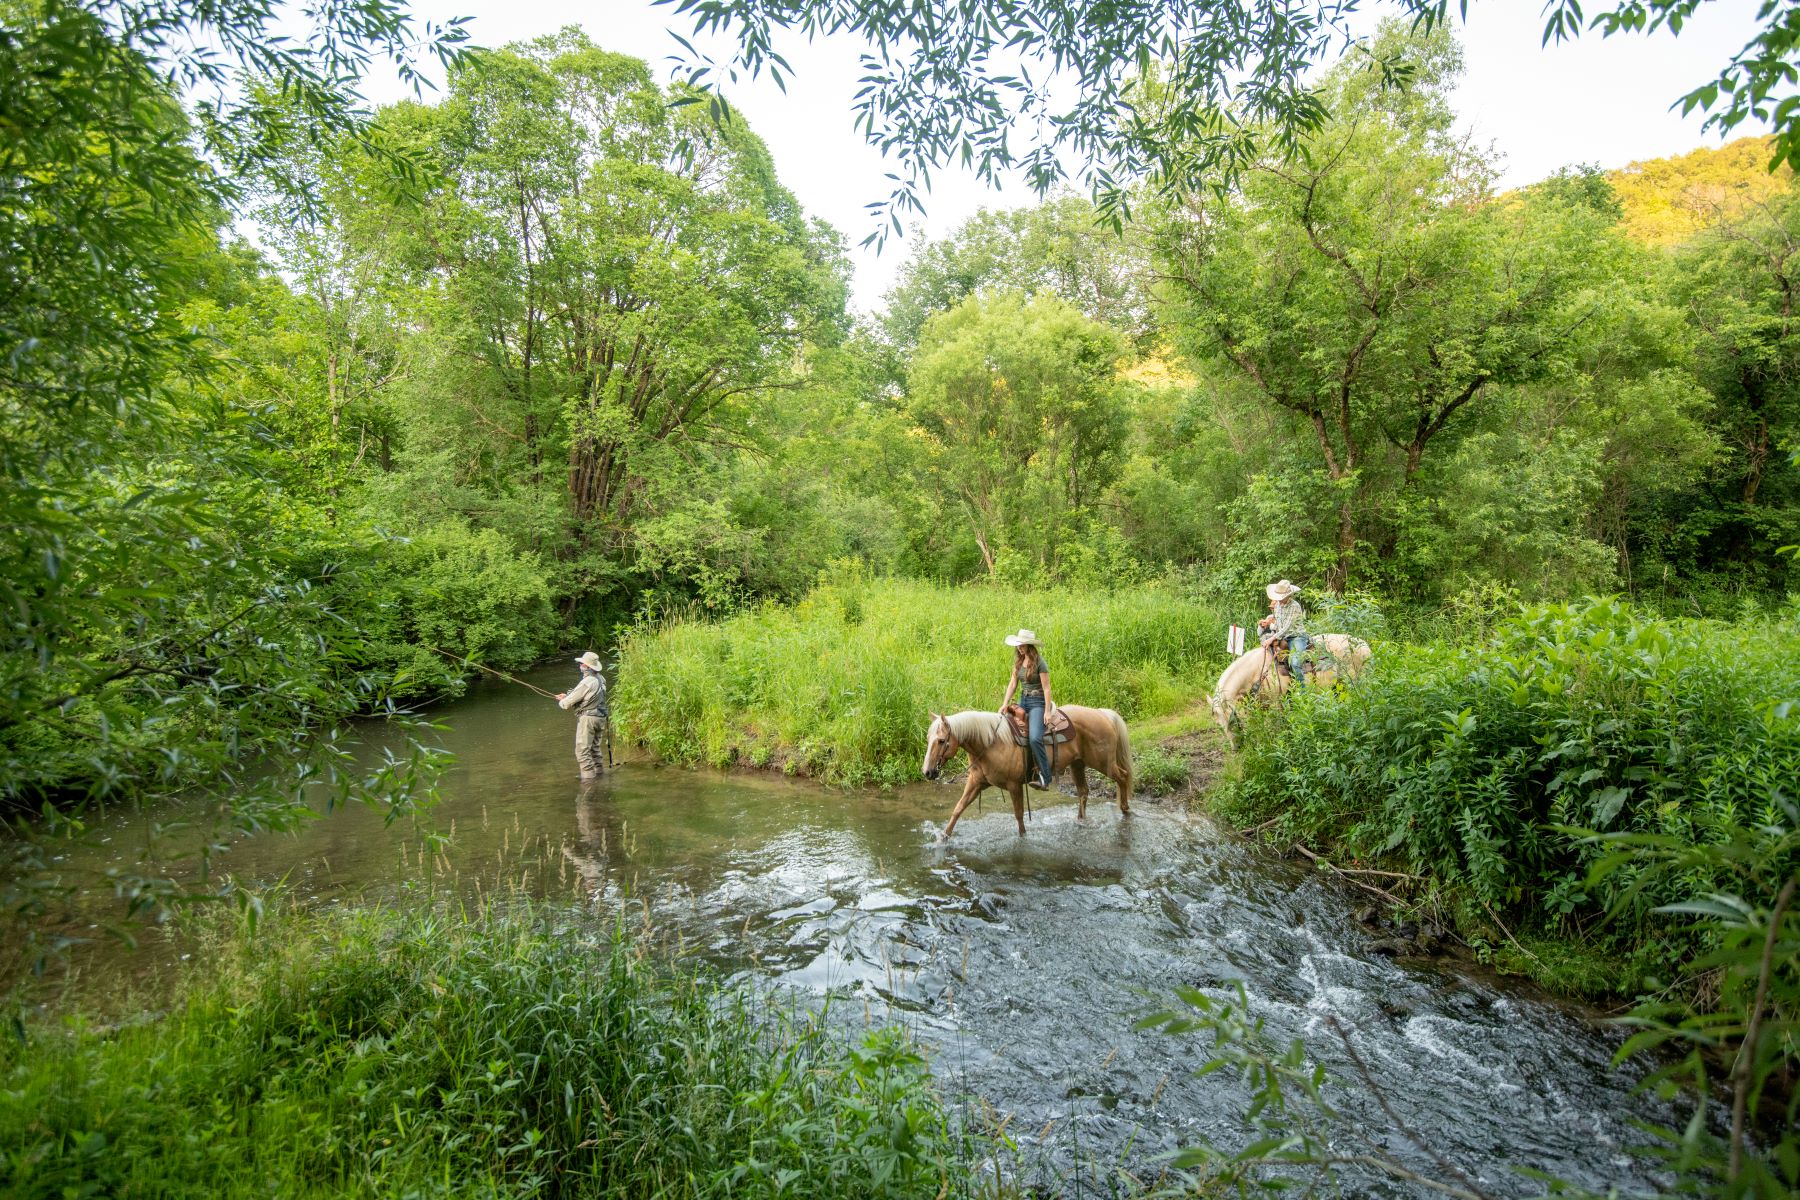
(1017, 792)
(971, 789)
(1121, 775)
(1078, 769)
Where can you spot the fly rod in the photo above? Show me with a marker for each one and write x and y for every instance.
(497, 674)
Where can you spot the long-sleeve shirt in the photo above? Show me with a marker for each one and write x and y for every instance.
(587, 698)
(1290, 618)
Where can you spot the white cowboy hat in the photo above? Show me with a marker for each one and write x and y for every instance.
(1022, 638)
(1281, 591)
(590, 659)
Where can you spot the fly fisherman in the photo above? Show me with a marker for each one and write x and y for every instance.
(587, 700)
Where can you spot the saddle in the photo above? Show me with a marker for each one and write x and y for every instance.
(1057, 729)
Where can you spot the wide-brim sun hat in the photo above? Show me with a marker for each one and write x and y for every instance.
(1281, 590)
(590, 659)
(1022, 638)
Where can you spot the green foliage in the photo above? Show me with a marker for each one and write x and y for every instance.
(1024, 412)
(453, 589)
(1477, 765)
(1178, 94)
(839, 686)
(1740, 997)
(175, 617)
(509, 1055)
(1060, 247)
(1156, 772)
(1738, 279)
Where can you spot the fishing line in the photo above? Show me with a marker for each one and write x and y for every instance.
(491, 671)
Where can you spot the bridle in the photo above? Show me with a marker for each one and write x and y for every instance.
(934, 764)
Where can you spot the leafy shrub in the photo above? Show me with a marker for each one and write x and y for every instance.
(1156, 772)
(1475, 765)
(423, 1054)
(454, 588)
(840, 684)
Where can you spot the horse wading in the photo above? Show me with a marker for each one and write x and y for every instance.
(1098, 739)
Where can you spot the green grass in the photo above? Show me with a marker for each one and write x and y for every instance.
(386, 1054)
(1158, 772)
(838, 686)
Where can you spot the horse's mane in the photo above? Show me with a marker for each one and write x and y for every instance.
(973, 728)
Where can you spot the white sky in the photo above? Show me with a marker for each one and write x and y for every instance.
(1598, 100)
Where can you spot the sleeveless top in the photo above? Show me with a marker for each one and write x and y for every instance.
(1032, 686)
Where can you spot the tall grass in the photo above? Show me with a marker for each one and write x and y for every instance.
(386, 1055)
(839, 685)
(1477, 765)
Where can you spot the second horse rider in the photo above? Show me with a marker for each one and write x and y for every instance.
(1031, 676)
(1287, 620)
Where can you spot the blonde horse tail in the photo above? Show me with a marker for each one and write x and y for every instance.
(1122, 756)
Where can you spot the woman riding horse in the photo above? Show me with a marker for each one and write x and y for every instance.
(1031, 675)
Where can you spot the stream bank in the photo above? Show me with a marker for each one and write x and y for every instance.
(1020, 965)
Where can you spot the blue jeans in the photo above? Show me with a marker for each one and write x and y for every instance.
(1298, 645)
(1034, 717)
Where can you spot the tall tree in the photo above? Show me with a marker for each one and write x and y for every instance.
(1740, 282)
(1023, 408)
(1373, 288)
(1061, 247)
(604, 286)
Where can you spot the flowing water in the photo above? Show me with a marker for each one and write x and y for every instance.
(1020, 962)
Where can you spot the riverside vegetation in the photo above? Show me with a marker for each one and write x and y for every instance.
(463, 399)
(508, 1053)
(836, 686)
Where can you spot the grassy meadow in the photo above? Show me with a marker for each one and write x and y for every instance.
(437, 1053)
(838, 686)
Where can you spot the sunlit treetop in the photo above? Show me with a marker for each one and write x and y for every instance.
(1075, 89)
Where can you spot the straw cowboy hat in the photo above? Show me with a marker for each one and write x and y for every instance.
(1281, 591)
(1022, 638)
(590, 659)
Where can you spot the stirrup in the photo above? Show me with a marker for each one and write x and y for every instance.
(1038, 781)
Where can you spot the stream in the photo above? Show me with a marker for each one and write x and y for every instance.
(1021, 963)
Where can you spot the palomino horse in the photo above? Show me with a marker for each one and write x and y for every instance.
(1098, 740)
(1335, 656)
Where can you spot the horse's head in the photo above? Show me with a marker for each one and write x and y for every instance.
(940, 747)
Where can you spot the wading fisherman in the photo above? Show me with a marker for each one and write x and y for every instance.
(1287, 619)
(587, 700)
(1031, 676)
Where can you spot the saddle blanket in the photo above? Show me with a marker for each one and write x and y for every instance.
(1057, 730)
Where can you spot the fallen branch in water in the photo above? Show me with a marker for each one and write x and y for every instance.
(1509, 936)
(1350, 873)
